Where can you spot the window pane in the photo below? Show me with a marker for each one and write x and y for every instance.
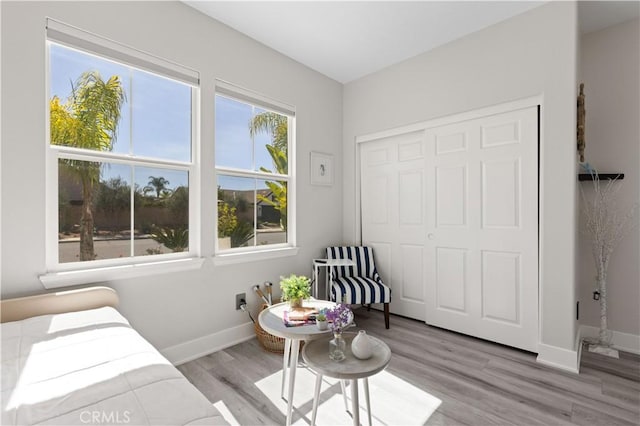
(236, 211)
(161, 117)
(161, 222)
(240, 200)
(161, 200)
(118, 108)
(245, 133)
(271, 212)
(234, 147)
(94, 208)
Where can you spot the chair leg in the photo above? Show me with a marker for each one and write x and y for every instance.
(369, 307)
(386, 316)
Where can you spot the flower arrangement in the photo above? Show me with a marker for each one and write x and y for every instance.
(339, 317)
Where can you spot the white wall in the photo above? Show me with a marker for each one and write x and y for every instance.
(531, 54)
(175, 308)
(610, 69)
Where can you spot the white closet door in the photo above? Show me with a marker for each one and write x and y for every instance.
(393, 216)
(482, 228)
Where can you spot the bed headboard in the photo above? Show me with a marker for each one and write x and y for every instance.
(56, 303)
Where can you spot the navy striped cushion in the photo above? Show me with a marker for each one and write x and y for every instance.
(359, 290)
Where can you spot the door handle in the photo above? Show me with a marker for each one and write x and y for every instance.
(430, 236)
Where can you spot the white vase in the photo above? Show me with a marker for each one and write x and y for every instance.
(361, 346)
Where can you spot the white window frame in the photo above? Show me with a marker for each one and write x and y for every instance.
(246, 254)
(64, 274)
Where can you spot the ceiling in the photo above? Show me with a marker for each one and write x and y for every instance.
(597, 15)
(350, 39)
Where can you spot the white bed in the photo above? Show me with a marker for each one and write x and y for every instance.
(91, 367)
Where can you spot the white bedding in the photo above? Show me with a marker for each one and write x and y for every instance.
(91, 367)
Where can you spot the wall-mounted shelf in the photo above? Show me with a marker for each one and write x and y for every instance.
(601, 176)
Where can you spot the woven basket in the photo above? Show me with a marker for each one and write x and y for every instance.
(269, 342)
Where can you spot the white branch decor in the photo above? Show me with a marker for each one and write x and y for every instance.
(606, 226)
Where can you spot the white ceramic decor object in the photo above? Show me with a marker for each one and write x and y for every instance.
(361, 346)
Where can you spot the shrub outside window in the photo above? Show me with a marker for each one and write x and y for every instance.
(253, 142)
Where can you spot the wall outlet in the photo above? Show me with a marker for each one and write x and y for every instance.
(239, 300)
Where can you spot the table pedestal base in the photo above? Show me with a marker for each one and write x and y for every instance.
(355, 403)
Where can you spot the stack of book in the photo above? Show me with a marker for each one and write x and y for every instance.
(300, 316)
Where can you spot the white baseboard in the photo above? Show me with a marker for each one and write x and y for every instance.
(193, 349)
(622, 341)
(556, 357)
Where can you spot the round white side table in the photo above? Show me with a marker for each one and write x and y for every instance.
(272, 321)
(316, 356)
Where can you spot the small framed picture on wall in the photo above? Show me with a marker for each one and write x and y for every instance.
(321, 169)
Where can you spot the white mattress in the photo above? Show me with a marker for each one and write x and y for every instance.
(91, 367)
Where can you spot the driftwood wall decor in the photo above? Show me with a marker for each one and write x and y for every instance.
(581, 117)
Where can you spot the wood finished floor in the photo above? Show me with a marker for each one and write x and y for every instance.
(436, 378)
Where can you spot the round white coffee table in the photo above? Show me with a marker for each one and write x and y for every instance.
(316, 356)
(272, 321)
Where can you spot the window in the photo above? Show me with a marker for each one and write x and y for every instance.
(121, 149)
(253, 141)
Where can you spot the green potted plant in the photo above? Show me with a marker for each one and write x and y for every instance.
(321, 320)
(294, 289)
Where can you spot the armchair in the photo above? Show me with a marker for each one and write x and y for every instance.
(360, 283)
